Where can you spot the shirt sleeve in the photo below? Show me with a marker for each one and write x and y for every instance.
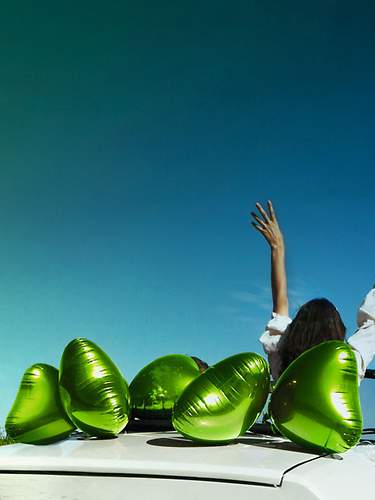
(366, 310)
(270, 339)
(363, 340)
(274, 329)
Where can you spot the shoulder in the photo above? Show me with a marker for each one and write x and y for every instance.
(278, 323)
(273, 332)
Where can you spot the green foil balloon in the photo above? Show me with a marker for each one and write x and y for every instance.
(156, 387)
(93, 391)
(224, 401)
(37, 415)
(315, 402)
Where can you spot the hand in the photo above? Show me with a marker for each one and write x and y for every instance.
(268, 226)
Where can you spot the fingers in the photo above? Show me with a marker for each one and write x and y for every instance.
(259, 228)
(271, 211)
(263, 231)
(259, 220)
(271, 216)
(263, 212)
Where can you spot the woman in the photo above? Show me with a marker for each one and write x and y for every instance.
(316, 321)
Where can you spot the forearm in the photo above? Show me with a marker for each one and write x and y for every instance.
(279, 282)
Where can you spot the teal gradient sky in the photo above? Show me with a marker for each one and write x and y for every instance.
(135, 140)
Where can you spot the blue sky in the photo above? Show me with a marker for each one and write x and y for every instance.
(135, 140)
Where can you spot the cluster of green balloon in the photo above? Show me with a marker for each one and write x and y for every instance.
(224, 401)
(37, 415)
(315, 402)
(88, 392)
(157, 386)
(93, 391)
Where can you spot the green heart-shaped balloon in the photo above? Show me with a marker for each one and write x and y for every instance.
(37, 415)
(93, 391)
(224, 401)
(156, 387)
(315, 402)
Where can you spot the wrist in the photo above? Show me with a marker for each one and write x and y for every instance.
(278, 249)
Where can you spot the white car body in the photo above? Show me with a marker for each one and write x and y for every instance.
(164, 465)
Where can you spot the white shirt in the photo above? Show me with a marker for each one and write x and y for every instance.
(362, 341)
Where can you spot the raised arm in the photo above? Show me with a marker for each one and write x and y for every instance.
(267, 225)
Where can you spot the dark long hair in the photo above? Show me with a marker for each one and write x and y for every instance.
(316, 321)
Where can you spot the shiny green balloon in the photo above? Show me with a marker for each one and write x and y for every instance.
(156, 387)
(37, 415)
(315, 402)
(93, 391)
(224, 401)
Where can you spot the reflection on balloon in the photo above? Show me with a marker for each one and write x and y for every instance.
(37, 415)
(223, 402)
(93, 391)
(156, 387)
(315, 402)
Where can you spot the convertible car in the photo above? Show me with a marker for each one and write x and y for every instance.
(164, 465)
(156, 462)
